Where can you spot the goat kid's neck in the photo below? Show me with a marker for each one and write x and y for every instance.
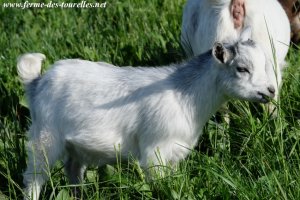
(201, 92)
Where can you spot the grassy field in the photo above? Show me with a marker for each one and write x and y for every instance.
(256, 157)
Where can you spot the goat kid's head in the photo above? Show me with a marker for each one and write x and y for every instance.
(243, 75)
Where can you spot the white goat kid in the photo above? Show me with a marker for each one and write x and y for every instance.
(83, 110)
(207, 21)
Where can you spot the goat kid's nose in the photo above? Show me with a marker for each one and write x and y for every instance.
(271, 89)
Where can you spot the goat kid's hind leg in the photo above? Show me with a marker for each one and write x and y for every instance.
(75, 173)
(42, 151)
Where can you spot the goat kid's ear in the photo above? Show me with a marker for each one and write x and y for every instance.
(246, 34)
(221, 53)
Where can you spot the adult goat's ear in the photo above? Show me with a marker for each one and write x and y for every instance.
(221, 53)
(246, 34)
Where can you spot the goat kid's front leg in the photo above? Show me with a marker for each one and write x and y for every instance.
(160, 160)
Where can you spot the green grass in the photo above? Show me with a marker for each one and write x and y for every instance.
(254, 158)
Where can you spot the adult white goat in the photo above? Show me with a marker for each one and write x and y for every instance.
(207, 21)
(83, 110)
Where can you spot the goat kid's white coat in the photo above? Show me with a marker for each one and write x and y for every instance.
(207, 21)
(83, 111)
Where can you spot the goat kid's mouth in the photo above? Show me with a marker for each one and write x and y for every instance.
(263, 98)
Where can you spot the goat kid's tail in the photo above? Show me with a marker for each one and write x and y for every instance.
(29, 66)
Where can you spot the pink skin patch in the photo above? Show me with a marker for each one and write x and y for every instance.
(238, 12)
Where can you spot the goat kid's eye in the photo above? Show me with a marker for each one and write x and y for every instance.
(242, 70)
